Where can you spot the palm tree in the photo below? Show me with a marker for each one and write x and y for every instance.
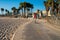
(31, 8)
(57, 6)
(25, 5)
(50, 3)
(27, 12)
(54, 5)
(14, 10)
(20, 8)
(7, 12)
(2, 10)
(17, 12)
(46, 6)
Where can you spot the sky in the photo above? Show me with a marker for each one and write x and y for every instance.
(8, 4)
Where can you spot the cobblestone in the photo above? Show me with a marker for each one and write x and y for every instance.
(8, 27)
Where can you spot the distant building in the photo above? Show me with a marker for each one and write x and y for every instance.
(45, 14)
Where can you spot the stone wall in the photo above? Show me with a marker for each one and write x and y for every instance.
(54, 20)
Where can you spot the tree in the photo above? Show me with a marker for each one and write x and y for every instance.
(20, 8)
(6, 11)
(50, 4)
(54, 5)
(25, 6)
(46, 6)
(31, 8)
(2, 10)
(17, 12)
(14, 10)
(57, 5)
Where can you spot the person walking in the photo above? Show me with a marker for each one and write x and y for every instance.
(35, 16)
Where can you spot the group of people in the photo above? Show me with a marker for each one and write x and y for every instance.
(36, 15)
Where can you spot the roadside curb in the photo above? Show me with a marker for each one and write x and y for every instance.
(20, 28)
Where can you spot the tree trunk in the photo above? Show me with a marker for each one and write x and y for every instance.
(52, 7)
(24, 12)
(47, 13)
(27, 13)
(31, 10)
(2, 13)
(57, 11)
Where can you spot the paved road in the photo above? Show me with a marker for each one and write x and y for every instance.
(37, 31)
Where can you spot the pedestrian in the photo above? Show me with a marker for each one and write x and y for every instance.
(38, 11)
(35, 16)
